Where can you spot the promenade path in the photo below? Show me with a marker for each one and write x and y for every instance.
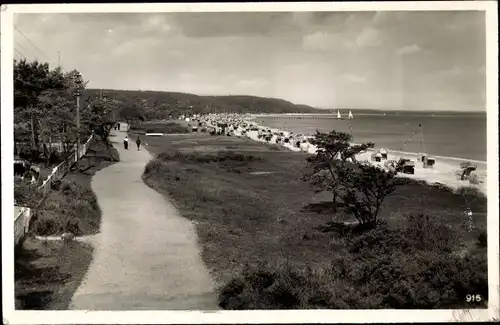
(146, 256)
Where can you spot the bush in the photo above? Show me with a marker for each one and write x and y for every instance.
(398, 280)
(473, 197)
(26, 194)
(413, 266)
(72, 208)
(482, 240)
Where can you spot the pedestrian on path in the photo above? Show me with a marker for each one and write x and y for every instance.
(125, 143)
(118, 126)
(138, 142)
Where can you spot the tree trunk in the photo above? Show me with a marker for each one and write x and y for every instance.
(33, 142)
(46, 154)
(335, 195)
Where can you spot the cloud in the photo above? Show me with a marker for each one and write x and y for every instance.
(369, 37)
(325, 41)
(316, 41)
(156, 23)
(409, 49)
(316, 58)
(352, 78)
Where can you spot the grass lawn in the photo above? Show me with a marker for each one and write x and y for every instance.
(48, 272)
(268, 239)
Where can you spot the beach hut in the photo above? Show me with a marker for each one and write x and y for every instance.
(384, 153)
(407, 166)
(376, 156)
(466, 169)
(421, 156)
(429, 162)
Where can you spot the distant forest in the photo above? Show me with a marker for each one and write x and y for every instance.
(161, 104)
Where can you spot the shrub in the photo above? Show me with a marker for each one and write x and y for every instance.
(473, 197)
(326, 170)
(482, 240)
(72, 208)
(395, 280)
(365, 189)
(410, 266)
(26, 194)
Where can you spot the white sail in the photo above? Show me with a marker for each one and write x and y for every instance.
(338, 115)
(350, 115)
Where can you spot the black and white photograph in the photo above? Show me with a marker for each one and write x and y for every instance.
(250, 157)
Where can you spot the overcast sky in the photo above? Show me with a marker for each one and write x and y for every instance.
(393, 60)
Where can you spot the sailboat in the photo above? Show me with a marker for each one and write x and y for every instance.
(339, 116)
(350, 115)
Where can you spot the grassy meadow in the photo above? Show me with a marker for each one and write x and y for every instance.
(271, 242)
(47, 273)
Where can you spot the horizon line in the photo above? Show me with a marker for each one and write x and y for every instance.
(297, 104)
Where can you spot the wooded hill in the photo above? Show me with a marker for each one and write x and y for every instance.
(162, 104)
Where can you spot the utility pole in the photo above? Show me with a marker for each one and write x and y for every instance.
(77, 80)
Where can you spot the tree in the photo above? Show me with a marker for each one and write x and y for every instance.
(132, 110)
(333, 151)
(366, 187)
(58, 120)
(30, 80)
(43, 99)
(97, 116)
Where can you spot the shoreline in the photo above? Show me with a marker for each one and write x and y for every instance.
(445, 171)
(461, 159)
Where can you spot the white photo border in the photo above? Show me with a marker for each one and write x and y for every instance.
(12, 316)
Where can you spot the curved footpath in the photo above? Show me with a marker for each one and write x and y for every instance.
(146, 256)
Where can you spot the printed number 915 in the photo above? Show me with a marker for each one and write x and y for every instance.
(473, 298)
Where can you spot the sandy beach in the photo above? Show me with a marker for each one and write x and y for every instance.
(445, 171)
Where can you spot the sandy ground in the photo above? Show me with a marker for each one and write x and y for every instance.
(444, 171)
(146, 256)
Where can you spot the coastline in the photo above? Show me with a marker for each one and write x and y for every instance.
(444, 172)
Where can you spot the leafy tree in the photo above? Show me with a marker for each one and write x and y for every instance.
(97, 116)
(333, 150)
(30, 80)
(366, 187)
(132, 110)
(58, 120)
(43, 100)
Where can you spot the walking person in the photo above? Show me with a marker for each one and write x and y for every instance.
(118, 126)
(138, 142)
(125, 143)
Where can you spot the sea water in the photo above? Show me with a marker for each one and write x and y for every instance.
(448, 134)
